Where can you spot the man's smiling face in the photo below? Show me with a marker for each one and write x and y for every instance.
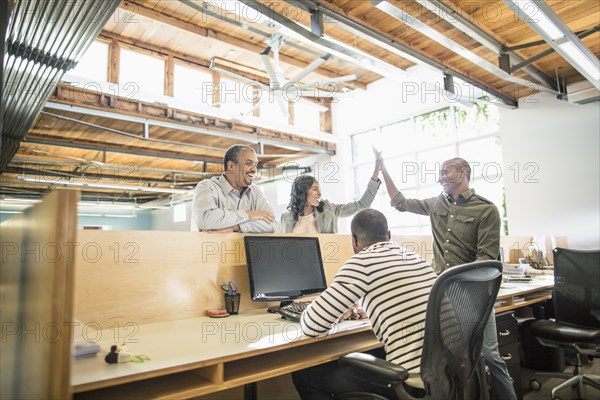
(243, 172)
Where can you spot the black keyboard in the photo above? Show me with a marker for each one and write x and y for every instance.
(293, 311)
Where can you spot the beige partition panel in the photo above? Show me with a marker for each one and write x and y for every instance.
(36, 284)
(128, 278)
(124, 279)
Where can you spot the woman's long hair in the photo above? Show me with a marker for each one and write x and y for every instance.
(298, 195)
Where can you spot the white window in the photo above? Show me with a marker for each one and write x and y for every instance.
(423, 143)
(271, 107)
(237, 97)
(193, 85)
(307, 116)
(146, 73)
(179, 212)
(94, 63)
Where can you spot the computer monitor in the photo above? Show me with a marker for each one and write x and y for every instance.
(284, 268)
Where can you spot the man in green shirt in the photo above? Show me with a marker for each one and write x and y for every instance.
(466, 228)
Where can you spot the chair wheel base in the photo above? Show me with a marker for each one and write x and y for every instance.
(535, 385)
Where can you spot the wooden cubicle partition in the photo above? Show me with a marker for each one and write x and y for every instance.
(36, 283)
(128, 278)
(150, 276)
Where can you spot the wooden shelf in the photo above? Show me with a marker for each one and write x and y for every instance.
(175, 386)
(245, 365)
(531, 297)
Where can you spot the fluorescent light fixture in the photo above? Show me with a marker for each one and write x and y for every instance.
(10, 212)
(532, 12)
(107, 215)
(542, 19)
(126, 188)
(17, 200)
(579, 58)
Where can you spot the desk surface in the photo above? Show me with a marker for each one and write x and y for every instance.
(219, 351)
(514, 295)
(196, 356)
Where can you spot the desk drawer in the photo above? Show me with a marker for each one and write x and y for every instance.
(506, 328)
(510, 354)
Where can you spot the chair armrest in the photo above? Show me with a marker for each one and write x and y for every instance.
(375, 366)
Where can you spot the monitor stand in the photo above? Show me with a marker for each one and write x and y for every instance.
(274, 309)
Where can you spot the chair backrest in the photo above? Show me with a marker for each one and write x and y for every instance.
(458, 309)
(576, 292)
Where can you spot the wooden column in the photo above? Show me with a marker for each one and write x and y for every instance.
(326, 123)
(114, 61)
(216, 98)
(169, 76)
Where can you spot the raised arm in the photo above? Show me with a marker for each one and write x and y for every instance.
(397, 199)
(348, 209)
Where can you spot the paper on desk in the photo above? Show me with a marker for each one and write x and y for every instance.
(349, 324)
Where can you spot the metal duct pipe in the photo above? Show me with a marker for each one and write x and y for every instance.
(43, 41)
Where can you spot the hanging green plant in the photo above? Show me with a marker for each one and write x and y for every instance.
(482, 111)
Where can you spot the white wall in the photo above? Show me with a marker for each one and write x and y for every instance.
(557, 193)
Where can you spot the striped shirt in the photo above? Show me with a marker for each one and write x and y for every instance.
(392, 285)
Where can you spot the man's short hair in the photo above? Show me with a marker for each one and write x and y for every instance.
(233, 154)
(370, 226)
(460, 163)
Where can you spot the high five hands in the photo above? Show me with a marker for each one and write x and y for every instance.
(379, 166)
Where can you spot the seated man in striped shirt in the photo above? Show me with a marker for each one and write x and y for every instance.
(392, 286)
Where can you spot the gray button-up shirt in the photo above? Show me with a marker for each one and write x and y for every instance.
(217, 205)
(465, 229)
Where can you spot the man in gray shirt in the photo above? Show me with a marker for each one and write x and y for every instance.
(230, 202)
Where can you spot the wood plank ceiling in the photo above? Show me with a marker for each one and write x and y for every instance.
(88, 143)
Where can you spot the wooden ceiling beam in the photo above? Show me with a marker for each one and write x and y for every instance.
(76, 99)
(132, 6)
(42, 138)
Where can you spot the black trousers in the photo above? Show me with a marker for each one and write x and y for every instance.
(326, 380)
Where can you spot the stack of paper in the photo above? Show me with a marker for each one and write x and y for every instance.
(516, 269)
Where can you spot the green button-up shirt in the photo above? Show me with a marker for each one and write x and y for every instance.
(465, 229)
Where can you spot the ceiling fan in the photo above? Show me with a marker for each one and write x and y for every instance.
(293, 89)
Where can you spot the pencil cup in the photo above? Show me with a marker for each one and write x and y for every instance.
(232, 303)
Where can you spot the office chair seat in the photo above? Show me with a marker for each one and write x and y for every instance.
(375, 366)
(553, 330)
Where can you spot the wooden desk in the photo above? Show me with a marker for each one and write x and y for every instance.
(202, 355)
(517, 295)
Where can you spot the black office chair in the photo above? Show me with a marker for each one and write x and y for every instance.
(452, 366)
(576, 327)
